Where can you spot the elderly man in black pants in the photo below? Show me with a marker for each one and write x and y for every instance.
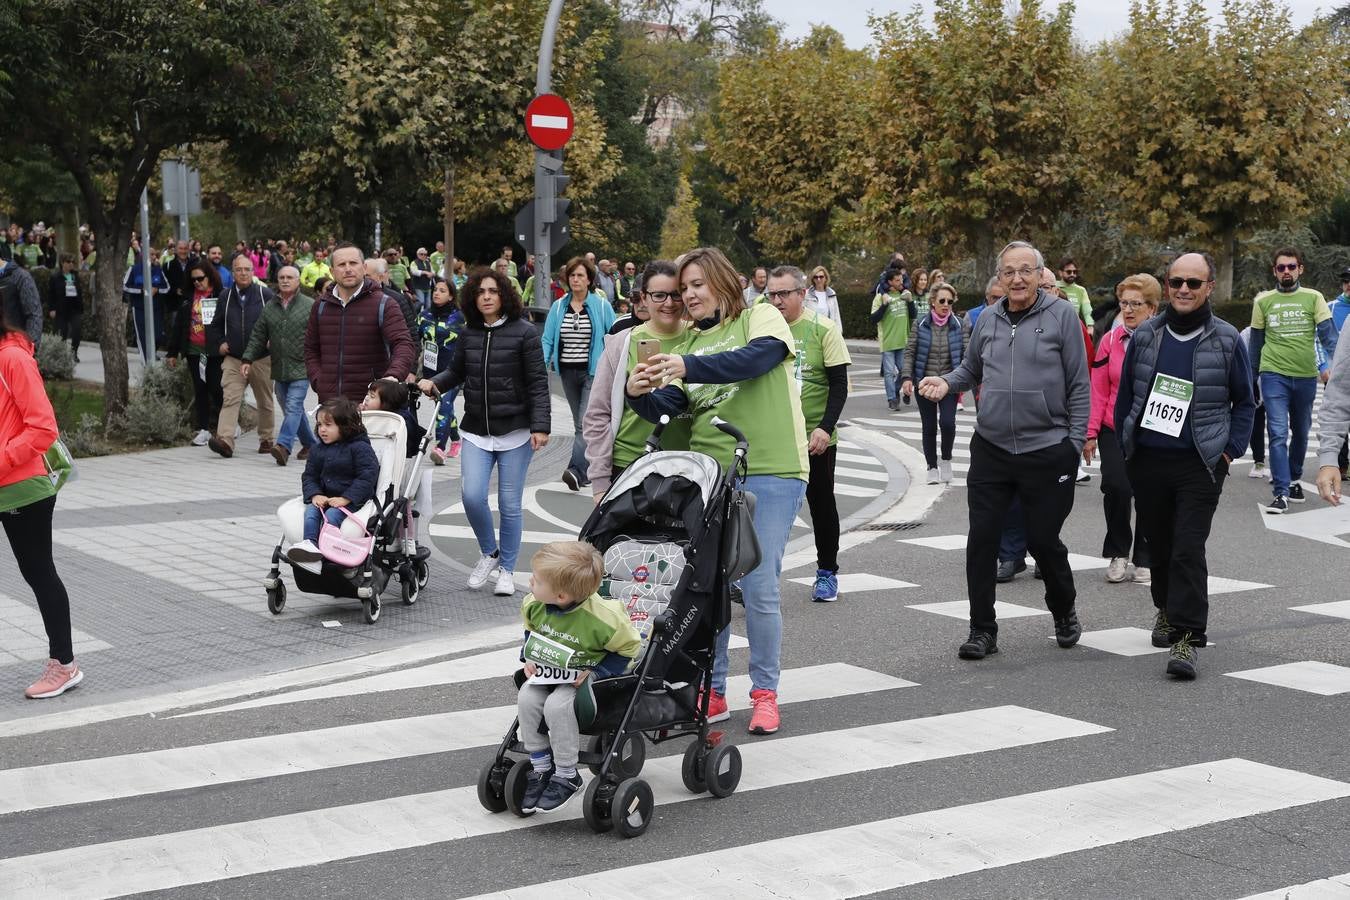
(1027, 353)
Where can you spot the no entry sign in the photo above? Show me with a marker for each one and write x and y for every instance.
(548, 121)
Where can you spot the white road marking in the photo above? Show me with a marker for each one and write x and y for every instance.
(225, 762)
(1310, 676)
(862, 474)
(1337, 887)
(1338, 608)
(939, 542)
(1121, 641)
(881, 856)
(960, 609)
(165, 861)
(861, 582)
(1320, 525)
(464, 532)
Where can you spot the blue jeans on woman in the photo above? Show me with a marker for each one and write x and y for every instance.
(576, 384)
(1289, 403)
(314, 520)
(777, 502)
(294, 422)
(475, 472)
(892, 361)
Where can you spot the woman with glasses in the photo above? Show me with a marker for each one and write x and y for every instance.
(936, 346)
(188, 338)
(574, 334)
(615, 435)
(822, 298)
(738, 364)
(1138, 297)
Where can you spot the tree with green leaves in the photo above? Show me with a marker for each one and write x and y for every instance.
(1201, 131)
(108, 87)
(786, 130)
(967, 142)
(679, 233)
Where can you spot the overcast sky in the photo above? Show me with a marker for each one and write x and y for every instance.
(1093, 19)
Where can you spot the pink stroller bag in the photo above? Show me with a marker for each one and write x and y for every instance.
(341, 550)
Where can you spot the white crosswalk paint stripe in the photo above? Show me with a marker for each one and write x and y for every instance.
(916, 849)
(849, 490)
(158, 771)
(861, 474)
(1337, 887)
(165, 861)
(1311, 676)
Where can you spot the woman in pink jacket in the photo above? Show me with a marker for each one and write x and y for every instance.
(27, 500)
(1139, 296)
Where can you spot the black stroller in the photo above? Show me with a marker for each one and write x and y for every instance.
(675, 531)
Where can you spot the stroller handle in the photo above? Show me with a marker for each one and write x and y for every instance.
(654, 439)
(722, 425)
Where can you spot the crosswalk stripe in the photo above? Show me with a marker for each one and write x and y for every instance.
(161, 862)
(225, 762)
(862, 474)
(455, 671)
(1336, 887)
(1311, 676)
(916, 849)
(843, 489)
(464, 532)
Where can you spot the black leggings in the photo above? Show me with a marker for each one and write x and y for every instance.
(824, 511)
(930, 414)
(207, 395)
(29, 529)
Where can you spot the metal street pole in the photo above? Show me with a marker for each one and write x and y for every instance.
(183, 185)
(545, 164)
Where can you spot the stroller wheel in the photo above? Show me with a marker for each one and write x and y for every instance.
(596, 805)
(514, 788)
(490, 787)
(631, 809)
(632, 754)
(722, 770)
(409, 586)
(422, 572)
(372, 610)
(276, 598)
(691, 770)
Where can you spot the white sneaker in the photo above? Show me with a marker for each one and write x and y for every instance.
(1142, 575)
(1259, 470)
(933, 476)
(238, 431)
(1084, 476)
(506, 583)
(945, 471)
(200, 439)
(1116, 569)
(479, 576)
(306, 556)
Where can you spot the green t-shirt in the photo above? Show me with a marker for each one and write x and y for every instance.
(893, 329)
(819, 344)
(580, 637)
(767, 409)
(1290, 322)
(437, 262)
(1078, 295)
(631, 439)
(398, 275)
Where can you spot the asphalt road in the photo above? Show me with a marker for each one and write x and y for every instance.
(900, 770)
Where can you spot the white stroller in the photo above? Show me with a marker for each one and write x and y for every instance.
(388, 519)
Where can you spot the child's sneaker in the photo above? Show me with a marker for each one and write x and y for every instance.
(557, 791)
(304, 552)
(764, 720)
(56, 680)
(481, 572)
(454, 448)
(535, 782)
(437, 456)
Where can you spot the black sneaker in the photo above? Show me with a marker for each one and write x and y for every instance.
(1162, 630)
(893, 404)
(557, 791)
(1008, 569)
(535, 782)
(1183, 658)
(979, 645)
(570, 479)
(1279, 506)
(1296, 493)
(905, 399)
(1067, 629)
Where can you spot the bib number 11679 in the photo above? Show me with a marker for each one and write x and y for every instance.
(1167, 405)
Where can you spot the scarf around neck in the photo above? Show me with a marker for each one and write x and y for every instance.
(940, 320)
(1185, 323)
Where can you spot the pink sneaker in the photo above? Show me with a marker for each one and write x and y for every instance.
(56, 680)
(764, 720)
(717, 708)
(454, 449)
(437, 456)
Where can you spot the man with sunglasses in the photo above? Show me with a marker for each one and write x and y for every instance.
(1183, 413)
(1287, 324)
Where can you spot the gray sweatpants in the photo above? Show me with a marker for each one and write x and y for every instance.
(551, 704)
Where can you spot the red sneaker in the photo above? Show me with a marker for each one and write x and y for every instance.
(56, 680)
(764, 720)
(717, 708)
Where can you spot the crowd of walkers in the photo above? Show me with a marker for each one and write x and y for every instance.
(1151, 382)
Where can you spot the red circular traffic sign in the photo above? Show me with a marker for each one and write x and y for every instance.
(548, 121)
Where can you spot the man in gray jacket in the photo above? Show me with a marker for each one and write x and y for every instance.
(1027, 354)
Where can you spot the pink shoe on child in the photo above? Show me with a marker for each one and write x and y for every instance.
(454, 449)
(56, 680)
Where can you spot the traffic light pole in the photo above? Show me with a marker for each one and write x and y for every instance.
(546, 165)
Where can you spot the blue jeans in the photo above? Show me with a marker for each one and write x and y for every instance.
(447, 426)
(1289, 403)
(475, 471)
(891, 363)
(777, 501)
(314, 520)
(577, 389)
(291, 401)
(424, 295)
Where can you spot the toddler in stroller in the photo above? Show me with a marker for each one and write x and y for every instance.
(339, 476)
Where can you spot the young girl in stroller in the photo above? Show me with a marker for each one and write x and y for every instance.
(341, 471)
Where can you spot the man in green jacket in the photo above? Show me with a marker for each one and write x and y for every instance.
(280, 332)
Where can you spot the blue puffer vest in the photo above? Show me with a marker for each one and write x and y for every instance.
(923, 342)
(1211, 406)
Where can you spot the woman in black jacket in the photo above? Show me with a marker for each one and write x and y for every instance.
(500, 364)
(65, 302)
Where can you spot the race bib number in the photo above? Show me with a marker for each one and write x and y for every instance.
(430, 355)
(553, 675)
(71, 290)
(1167, 405)
(544, 651)
(208, 310)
